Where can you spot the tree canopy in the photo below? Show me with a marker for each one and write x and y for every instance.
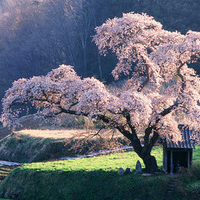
(37, 35)
(161, 92)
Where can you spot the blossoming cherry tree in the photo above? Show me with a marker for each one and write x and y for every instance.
(161, 90)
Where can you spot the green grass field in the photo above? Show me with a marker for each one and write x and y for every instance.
(93, 179)
(111, 162)
(89, 178)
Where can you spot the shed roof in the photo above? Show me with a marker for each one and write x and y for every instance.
(186, 143)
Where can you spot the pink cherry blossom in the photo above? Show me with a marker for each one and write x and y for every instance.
(162, 92)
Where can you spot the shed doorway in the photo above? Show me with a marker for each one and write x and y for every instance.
(178, 159)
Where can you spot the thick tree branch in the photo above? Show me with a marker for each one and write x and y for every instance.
(149, 72)
(149, 143)
(148, 132)
(149, 76)
(154, 139)
(72, 112)
(133, 135)
(181, 76)
(177, 102)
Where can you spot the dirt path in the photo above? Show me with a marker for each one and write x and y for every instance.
(170, 188)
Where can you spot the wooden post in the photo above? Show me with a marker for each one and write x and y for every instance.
(188, 159)
(164, 159)
(171, 162)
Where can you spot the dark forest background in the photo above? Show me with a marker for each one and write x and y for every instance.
(38, 35)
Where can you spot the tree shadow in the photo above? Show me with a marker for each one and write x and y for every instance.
(23, 184)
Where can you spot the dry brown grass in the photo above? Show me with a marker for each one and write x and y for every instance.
(71, 133)
(66, 133)
(56, 134)
(34, 145)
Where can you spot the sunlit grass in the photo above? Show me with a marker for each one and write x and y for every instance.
(196, 155)
(111, 162)
(88, 178)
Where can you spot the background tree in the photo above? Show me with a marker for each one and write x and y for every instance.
(160, 85)
(35, 36)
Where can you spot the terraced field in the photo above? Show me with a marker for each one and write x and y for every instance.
(5, 170)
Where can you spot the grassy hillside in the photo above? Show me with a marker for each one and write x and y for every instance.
(41, 145)
(96, 179)
(24, 148)
(89, 178)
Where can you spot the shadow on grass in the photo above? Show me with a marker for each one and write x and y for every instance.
(79, 185)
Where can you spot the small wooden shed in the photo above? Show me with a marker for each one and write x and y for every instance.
(176, 155)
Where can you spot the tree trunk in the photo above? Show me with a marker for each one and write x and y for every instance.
(143, 151)
(150, 163)
(100, 68)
